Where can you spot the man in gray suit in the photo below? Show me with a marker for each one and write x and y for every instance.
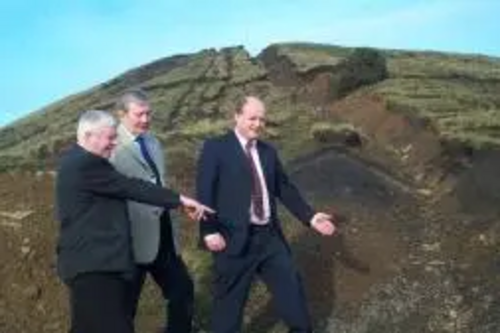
(139, 154)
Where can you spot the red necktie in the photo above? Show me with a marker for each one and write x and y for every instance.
(257, 199)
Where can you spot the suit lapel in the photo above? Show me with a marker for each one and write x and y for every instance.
(128, 143)
(239, 153)
(265, 159)
(157, 156)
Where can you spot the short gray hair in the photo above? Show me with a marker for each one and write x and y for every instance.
(130, 96)
(92, 120)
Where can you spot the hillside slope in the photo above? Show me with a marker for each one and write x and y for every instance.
(403, 145)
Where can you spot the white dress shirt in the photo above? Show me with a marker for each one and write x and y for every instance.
(265, 194)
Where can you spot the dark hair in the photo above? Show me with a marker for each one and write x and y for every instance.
(130, 96)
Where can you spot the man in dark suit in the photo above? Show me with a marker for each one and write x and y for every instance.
(139, 154)
(241, 177)
(94, 246)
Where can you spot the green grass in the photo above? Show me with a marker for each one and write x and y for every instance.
(329, 131)
(458, 94)
(446, 66)
(458, 109)
(204, 128)
(244, 69)
(308, 56)
(220, 67)
(194, 69)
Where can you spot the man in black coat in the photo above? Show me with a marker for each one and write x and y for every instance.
(242, 178)
(94, 246)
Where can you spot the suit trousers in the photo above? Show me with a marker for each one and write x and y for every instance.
(98, 303)
(267, 256)
(170, 273)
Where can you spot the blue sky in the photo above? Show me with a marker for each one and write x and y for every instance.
(50, 49)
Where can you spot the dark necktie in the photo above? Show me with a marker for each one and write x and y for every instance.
(257, 199)
(147, 157)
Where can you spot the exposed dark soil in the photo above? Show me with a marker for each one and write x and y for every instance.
(407, 224)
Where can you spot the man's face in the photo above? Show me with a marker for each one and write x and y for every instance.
(101, 141)
(251, 120)
(137, 117)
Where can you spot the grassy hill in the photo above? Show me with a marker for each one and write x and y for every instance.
(192, 94)
(404, 145)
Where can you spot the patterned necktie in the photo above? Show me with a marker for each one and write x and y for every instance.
(147, 157)
(257, 199)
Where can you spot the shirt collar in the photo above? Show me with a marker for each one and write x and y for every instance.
(243, 141)
(130, 136)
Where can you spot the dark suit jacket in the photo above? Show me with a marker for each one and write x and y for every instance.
(91, 208)
(224, 183)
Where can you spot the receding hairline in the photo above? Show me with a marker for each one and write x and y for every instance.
(244, 101)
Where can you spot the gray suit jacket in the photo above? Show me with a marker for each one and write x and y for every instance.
(145, 219)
